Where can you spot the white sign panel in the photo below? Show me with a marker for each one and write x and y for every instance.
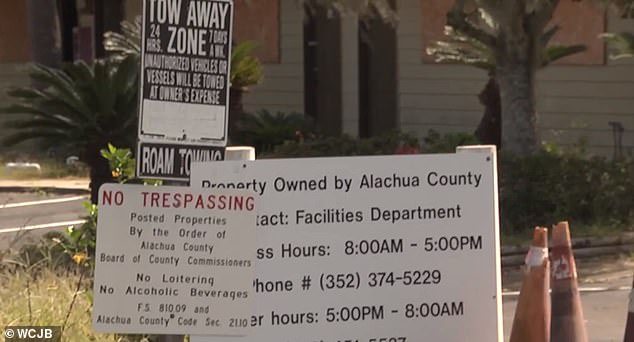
(186, 57)
(373, 249)
(174, 260)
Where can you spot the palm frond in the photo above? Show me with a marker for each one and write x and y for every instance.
(126, 43)
(50, 138)
(79, 105)
(548, 35)
(620, 45)
(463, 49)
(553, 53)
(246, 69)
(38, 123)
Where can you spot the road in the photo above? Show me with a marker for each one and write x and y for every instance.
(606, 281)
(605, 312)
(26, 210)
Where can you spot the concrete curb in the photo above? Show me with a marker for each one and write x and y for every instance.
(583, 253)
(626, 238)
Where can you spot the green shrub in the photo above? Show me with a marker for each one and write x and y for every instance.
(344, 146)
(447, 143)
(265, 130)
(549, 187)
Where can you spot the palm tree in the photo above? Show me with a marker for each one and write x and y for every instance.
(513, 30)
(246, 71)
(460, 48)
(80, 109)
(517, 43)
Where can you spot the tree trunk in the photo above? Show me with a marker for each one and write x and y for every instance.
(99, 172)
(108, 16)
(515, 72)
(489, 130)
(236, 108)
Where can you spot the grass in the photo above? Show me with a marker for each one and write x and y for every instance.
(49, 169)
(45, 300)
(40, 285)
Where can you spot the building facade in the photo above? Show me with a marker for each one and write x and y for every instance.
(365, 77)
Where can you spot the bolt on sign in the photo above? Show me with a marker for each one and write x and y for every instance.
(378, 249)
(174, 260)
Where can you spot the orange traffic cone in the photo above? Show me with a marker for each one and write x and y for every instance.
(532, 314)
(567, 324)
(629, 327)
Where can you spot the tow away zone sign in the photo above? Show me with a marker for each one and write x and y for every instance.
(185, 59)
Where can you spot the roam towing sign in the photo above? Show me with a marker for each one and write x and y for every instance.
(174, 260)
(372, 249)
(171, 161)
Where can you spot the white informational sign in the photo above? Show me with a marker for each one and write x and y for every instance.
(174, 260)
(374, 249)
(185, 78)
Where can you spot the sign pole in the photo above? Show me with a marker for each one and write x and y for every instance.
(173, 338)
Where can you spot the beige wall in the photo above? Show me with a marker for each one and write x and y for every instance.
(15, 42)
(15, 46)
(283, 86)
(574, 101)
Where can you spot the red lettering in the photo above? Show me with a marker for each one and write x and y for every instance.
(166, 197)
(144, 193)
(237, 203)
(200, 204)
(155, 199)
(118, 198)
(177, 200)
(188, 199)
(106, 198)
